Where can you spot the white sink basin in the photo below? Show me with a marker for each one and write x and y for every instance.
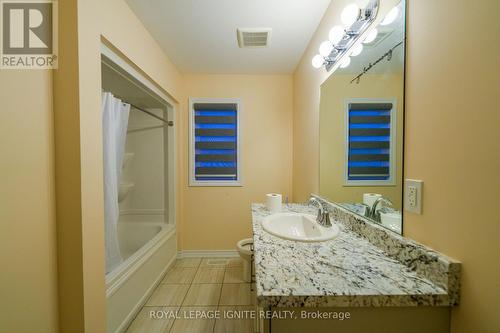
(298, 227)
(391, 221)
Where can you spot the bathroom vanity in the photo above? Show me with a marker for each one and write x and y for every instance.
(360, 274)
(366, 278)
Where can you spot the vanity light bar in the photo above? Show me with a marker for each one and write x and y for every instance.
(351, 34)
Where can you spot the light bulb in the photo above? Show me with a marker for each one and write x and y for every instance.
(345, 62)
(317, 61)
(356, 50)
(350, 14)
(325, 48)
(336, 34)
(371, 36)
(390, 17)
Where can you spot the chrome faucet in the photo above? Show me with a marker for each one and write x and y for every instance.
(323, 217)
(367, 211)
(374, 214)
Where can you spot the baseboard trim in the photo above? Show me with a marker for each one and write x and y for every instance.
(207, 254)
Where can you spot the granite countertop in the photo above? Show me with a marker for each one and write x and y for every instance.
(346, 271)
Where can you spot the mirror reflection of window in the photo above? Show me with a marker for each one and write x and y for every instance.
(361, 127)
(370, 142)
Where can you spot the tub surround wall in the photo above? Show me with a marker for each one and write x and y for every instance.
(146, 169)
(349, 270)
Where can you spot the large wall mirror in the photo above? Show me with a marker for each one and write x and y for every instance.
(362, 127)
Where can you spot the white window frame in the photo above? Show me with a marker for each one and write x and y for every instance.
(392, 147)
(192, 150)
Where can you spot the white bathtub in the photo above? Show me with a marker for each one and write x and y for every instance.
(148, 250)
(134, 235)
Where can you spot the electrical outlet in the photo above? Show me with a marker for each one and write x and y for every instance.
(413, 196)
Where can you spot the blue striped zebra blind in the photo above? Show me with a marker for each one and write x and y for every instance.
(369, 141)
(216, 141)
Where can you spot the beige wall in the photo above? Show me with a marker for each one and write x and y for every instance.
(67, 167)
(332, 120)
(451, 142)
(28, 278)
(217, 217)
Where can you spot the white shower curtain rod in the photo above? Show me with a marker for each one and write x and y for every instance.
(168, 122)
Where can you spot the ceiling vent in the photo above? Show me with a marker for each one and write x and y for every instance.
(253, 37)
(381, 36)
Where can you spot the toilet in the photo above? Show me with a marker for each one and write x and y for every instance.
(245, 249)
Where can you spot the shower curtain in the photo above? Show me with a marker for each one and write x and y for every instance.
(114, 130)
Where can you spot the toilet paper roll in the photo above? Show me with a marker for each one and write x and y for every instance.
(369, 198)
(273, 202)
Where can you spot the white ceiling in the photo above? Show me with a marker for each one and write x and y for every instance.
(199, 36)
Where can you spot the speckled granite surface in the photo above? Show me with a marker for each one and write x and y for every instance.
(349, 270)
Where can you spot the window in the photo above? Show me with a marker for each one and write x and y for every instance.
(214, 142)
(370, 143)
